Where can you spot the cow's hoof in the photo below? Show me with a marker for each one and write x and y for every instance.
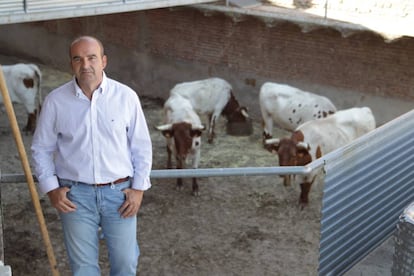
(302, 205)
(196, 193)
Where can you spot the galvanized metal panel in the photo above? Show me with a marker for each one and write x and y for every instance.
(11, 6)
(18, 11)
(52, 5)
(367, 185)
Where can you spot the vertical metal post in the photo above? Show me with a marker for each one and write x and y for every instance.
(326, 9)
(403, 259)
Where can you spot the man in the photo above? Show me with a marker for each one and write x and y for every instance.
(92, 156)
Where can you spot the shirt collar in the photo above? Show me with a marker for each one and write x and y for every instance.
(101, 88)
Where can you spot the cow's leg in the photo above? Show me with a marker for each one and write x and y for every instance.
(180, 165)
(304, 194)
(287, 180)
(169, 153)
(195, 187)
(212, 123)
(195, 162)
(267, 127)
(179, 184)
(31, 123)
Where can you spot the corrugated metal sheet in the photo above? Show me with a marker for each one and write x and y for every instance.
(52, 5)
(10, 6)
(367, 186)
(18, 11)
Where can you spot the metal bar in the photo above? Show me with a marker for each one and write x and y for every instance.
(202, 172)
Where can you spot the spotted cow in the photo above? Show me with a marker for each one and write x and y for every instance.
(315, 138)
(213, 97)
(288, 107)
(23, 84)
(182, 129)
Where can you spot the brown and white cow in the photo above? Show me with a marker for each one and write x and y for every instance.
(213, 97)
(182, 130)
(23, 83)
(288, 107)
(315, 138)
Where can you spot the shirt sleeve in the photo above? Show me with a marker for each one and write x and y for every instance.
(43, 148)
(141, 148)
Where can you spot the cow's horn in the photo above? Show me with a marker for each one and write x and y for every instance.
(303, 145)
(198, 127)
(272, 141)
(164, 127)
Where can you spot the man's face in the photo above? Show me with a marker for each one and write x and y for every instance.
(87, 62)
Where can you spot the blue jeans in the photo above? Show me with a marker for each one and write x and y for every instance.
(95, 207)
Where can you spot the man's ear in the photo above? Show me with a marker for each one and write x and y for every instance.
(104, 61)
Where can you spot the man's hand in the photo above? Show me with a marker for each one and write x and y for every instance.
(132, 203)
(60, 201)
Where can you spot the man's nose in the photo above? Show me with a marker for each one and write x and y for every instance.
(84, 62)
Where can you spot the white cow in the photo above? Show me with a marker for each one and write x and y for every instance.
(213, 97)
(182, 130)
(23, 83)
(288, 107)
(315, 138)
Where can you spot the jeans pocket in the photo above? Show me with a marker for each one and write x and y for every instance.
(65, 183)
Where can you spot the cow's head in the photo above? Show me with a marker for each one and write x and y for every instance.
(186, 139)
(290, 152)
(234, 112)
(240, 114)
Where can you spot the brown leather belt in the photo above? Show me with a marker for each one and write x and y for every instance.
(114, 182)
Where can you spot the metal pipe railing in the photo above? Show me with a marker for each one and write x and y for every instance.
(204, 172)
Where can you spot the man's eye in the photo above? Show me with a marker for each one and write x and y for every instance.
(76, 59)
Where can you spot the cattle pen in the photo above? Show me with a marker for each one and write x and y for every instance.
(367, 185)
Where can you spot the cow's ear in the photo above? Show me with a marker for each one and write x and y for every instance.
(297, 136)
(273, 148)
(196, 133)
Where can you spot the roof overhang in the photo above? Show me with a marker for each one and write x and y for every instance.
(389, 24)
(20, 11)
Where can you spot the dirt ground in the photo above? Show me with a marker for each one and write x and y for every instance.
(244, 225)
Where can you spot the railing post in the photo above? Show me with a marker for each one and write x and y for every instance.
(403, 259)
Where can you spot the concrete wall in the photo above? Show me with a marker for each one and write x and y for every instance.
(153, 50)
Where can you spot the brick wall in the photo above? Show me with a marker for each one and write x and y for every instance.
(153, 50)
